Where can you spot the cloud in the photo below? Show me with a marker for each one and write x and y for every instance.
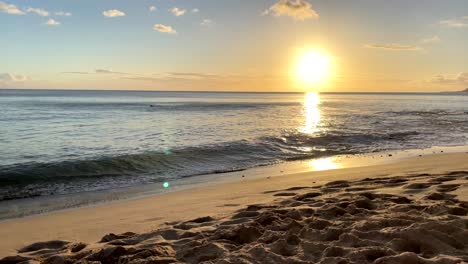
(461, 79)
(297, 9)
(104, 71)
(152, 8)
(164, 29)
(113, 13)
(10, 9)
(171, 76)
(192, 75)
(206, 22)
(61, 13)
(175, 76)
(143, 78)
(455, 23)
(9, 77)
(52, 22)
(76, 72)
(38, 11)
(177, 11)
(184, 80)
(99, 71)
(393, 47)
(195, 10)
(430, 40)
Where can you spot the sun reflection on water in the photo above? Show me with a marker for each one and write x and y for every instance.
(324, 164)
(311, 112)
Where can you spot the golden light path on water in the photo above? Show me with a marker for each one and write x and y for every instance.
(312, 114)
(312, 117)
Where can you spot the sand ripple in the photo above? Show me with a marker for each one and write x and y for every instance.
(406, 219)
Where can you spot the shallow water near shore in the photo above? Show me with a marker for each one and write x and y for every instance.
(42, 205)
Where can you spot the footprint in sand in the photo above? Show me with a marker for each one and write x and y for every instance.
(297, 188)
(437, 196)
(418, 186)
(458, 173)
(447, 187)
(49, 245)
(442, 179)
(337, 184)
(228, 205)
(285, 194)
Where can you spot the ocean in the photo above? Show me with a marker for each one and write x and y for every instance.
(56, 142)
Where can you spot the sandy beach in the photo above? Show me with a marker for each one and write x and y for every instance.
(409, 211)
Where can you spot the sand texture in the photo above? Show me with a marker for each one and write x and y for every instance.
(407, 218)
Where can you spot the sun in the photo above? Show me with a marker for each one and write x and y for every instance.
(313, 67)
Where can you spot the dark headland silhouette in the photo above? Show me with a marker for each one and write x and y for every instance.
(462, 91)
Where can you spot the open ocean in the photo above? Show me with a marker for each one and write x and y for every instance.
(63, 142)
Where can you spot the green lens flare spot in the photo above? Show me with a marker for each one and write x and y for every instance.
(165, 184)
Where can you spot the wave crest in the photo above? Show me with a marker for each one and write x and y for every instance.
(33, 179)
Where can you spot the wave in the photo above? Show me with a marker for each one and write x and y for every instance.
(425, 113)
(148, 106)
(37, 179)
(197, 106)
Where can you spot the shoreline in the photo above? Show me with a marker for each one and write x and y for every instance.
(89, 224)
(44, 205)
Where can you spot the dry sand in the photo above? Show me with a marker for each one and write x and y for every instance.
(412, 211)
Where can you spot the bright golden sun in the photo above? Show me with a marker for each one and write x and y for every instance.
(313, 67)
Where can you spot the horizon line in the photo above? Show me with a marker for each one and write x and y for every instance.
(224, 91)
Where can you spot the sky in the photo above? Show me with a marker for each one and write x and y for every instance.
(229, 45)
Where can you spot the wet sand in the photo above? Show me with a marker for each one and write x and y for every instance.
(409, 211)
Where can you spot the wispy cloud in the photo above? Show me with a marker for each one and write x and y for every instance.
(206, 22)
(10, 77)
(455, 23)
(113, 13)
(178, 11)
(393, 47)
(164, 29)
(173, 76)
(460, 79)
(200, 76)
(192, 75)
(10, 9)
(195, 10)
(38, 11)
(297, 9)
(430, 40)
(76, 72)
(99, 71)
(52, 22)
(152, 8)
(142, 78)
(105, 71)
(62, 13)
